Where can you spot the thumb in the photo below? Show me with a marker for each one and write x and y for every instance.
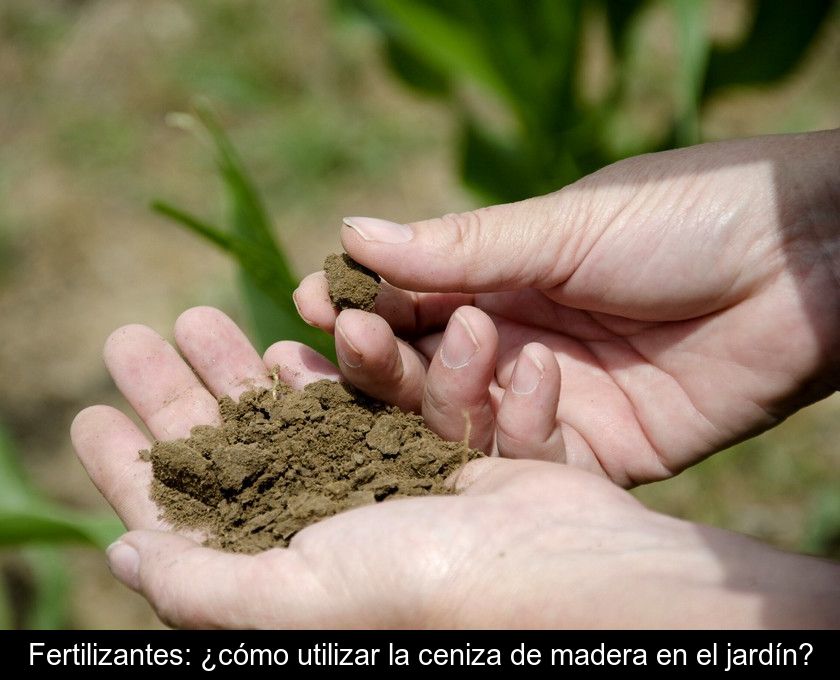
(191, 586)
(503, 247)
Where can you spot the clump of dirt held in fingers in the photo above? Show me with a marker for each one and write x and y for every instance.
(283, 459)
(351, 285)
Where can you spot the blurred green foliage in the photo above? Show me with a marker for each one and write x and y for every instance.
(28, 519)
(526, 60)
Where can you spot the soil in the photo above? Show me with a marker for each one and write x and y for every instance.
(283, 459)
(351, 285)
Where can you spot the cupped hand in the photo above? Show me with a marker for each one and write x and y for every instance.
(685, 300)
(525, 543)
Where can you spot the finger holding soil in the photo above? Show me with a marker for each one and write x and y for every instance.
(376, 362)
(407, 312)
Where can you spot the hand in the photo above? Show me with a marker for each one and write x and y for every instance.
(688, 299)
(525, 544)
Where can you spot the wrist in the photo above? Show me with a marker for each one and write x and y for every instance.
(648, 571)
(808, 188)
(726, 580)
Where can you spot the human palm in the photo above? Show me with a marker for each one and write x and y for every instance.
(686, 298)
(408, 562)
(524, 544)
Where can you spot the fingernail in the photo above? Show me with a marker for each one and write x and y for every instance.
(527, 373)
(348, 354)
(459, 344)
(124, 562)
(297, 307)
(383, 231)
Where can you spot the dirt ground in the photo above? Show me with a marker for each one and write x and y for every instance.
(326, 131)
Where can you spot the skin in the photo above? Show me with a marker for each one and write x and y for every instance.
(669, 343)
(689, 300)
(526, 543)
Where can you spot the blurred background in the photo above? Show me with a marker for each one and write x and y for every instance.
(305, 111)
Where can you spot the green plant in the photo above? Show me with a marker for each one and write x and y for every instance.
(525, 61)
(36, 526)
(27, 517)
(266, 278)
(822, 529)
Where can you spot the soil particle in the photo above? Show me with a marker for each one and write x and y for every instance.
(283, 459)
(351, 285)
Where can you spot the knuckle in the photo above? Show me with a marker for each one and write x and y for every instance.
(169, 610)
(463, 226)
(464, 238)
(436, 403)
(169, 617)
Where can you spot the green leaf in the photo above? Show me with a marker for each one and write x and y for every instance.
(492, 169)
(257, 260)
(274, 318)
(7, 612)
(269, 301)
(620, 15)
(200, 227)
(265, 276)
(694, 52)
(822, 524)
(448, 45)
(533, 47)
(42, 522)
(414, 71)
(15, 489)
(249, 218)
(50, 603)
(26, 517)
(778, 39)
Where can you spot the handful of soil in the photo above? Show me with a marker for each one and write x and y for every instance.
(283, 459)
(351, 285)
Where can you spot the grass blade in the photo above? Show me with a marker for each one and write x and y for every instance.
(26, 517)
(49, 607)
(265, 276)
(41, 522)
(249, 218)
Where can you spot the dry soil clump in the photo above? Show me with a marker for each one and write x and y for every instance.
(283, 459)
(351, 285)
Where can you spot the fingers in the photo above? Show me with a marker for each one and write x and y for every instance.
(407, 312)
(372, 359)
(157, 383)
(190, 586)
(107, 443)
(457, 390)
(166, 393)
(503, 247)
(196, 587)
(526, 422)
(312, 300)
(298, 364)
(219, 352)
